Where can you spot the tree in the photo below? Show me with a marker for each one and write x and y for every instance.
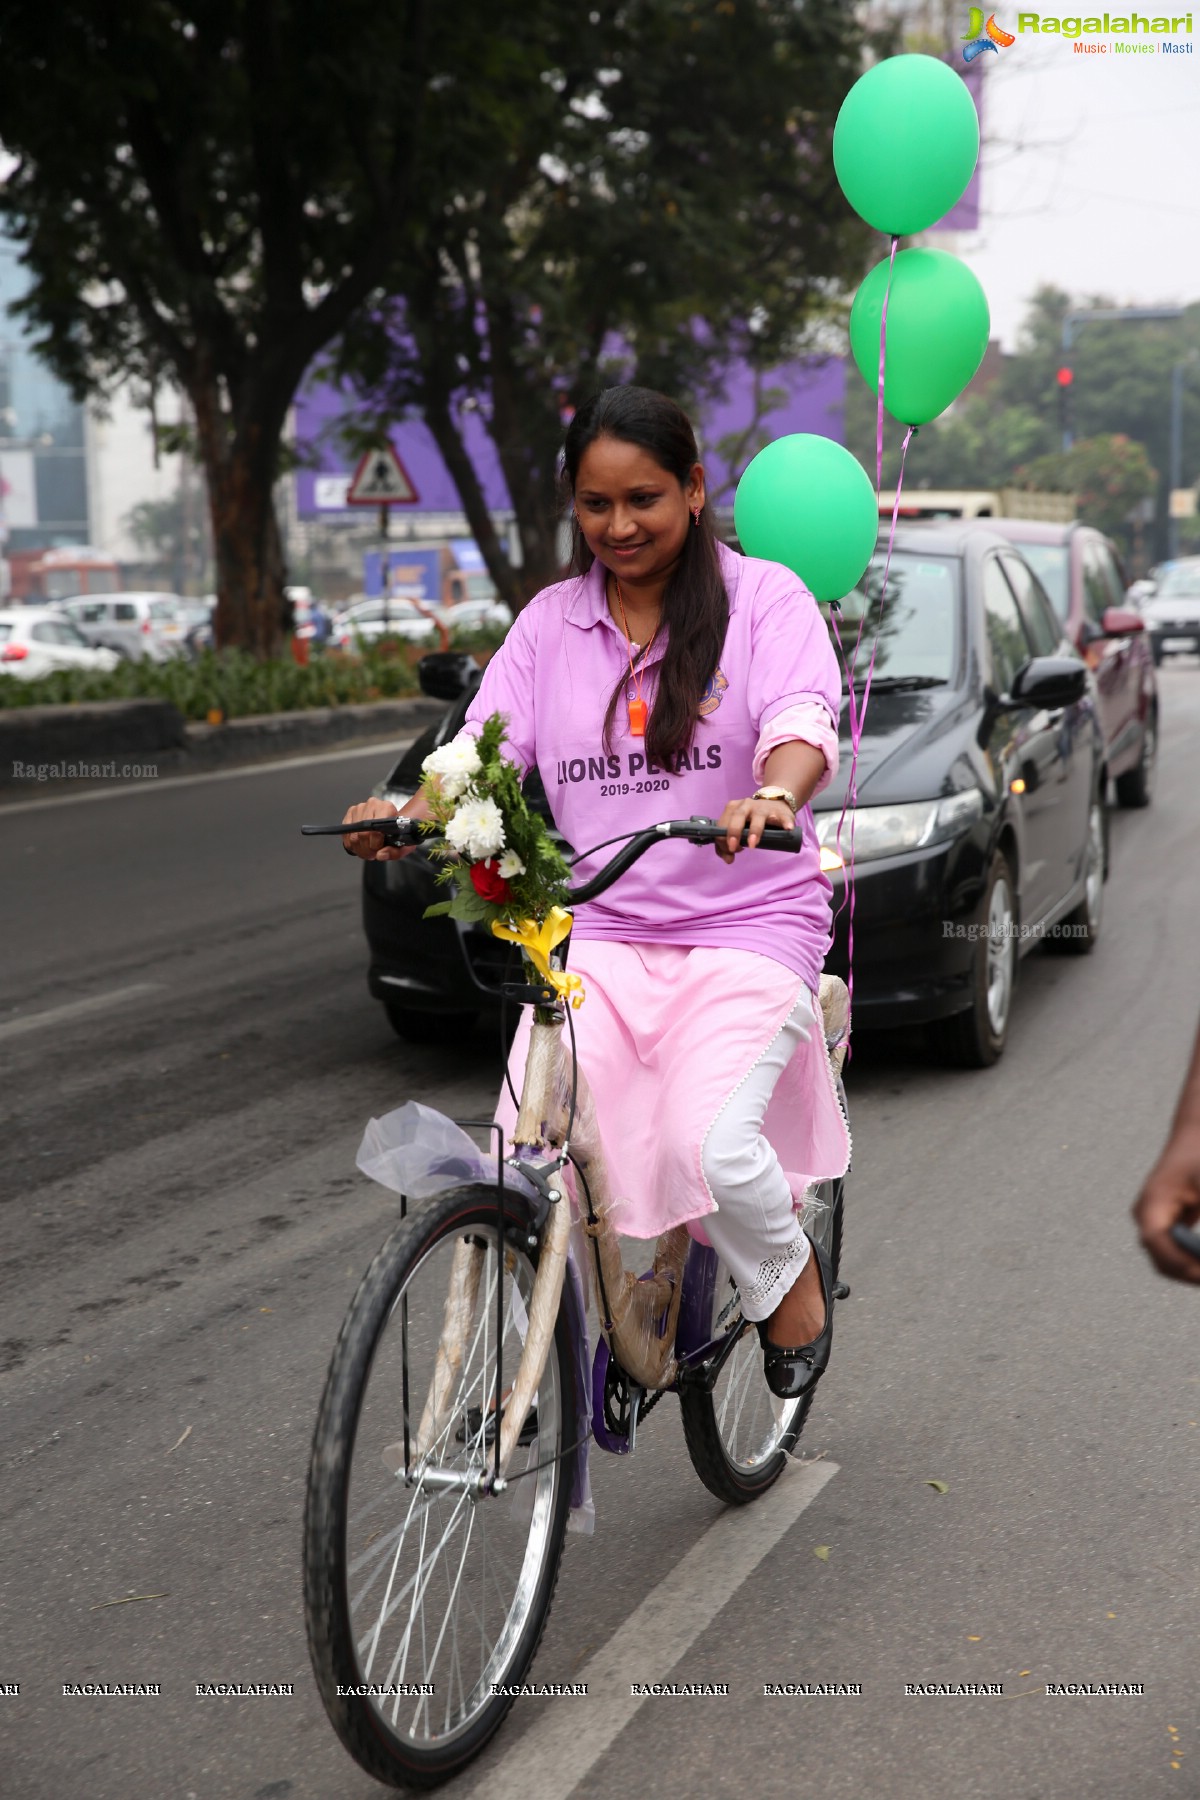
(173, 534)
(204, 194)
(645, 194)
(1121, 386)
(1110, 476)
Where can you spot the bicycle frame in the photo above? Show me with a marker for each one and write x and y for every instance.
(640, 1316)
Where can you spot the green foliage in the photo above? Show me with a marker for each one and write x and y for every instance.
(229, 681)
(533, 890)
(202, 195)
(1122, 387)
(643, 192)
(1110, 475)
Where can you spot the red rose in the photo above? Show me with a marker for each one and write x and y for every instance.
(488, 882)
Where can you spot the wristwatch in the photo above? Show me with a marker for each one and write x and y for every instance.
(778, 793)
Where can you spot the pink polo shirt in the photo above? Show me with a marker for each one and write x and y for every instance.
(552, 678)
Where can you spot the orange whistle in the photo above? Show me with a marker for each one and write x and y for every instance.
(637, 718)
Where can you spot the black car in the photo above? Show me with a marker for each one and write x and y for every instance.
(979, 831)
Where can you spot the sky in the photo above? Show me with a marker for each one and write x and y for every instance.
(1090, 168)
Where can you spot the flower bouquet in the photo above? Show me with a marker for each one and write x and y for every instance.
(502, 866)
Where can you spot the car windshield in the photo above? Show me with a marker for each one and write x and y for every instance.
(917, 625)
(1051, 564)
(1183, 579)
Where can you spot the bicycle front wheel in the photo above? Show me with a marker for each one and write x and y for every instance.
(739, 1433)
(425, 1598)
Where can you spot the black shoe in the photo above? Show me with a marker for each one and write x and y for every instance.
(793, 1372)
(473, 1425)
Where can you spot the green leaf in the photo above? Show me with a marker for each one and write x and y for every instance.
(439, 910)
(941, 1486)
(821, 1550)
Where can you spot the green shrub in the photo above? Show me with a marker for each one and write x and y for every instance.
(229, 680)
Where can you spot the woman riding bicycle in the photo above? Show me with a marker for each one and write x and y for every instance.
(670, 676)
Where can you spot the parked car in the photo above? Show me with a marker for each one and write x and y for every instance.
(135, 625)
(1081, 572)
(367, 621)
(37, 640)
(980, 830)
(1172, 613)
(476, 615)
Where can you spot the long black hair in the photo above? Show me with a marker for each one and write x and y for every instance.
(695, 604)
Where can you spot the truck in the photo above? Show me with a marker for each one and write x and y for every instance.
(434, 574)
(59, 573)
(979, 503)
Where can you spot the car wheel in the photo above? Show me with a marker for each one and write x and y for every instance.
(428, 1027)
(975, 1039)
(1077, 933)
(1136, 786)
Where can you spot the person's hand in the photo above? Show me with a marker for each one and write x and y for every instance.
(756, 814)
(369, 844)
(1171, 1196)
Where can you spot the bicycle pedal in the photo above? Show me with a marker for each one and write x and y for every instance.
(473, 1424)
(841, 1290)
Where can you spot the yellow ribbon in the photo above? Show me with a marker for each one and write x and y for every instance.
(537, 941)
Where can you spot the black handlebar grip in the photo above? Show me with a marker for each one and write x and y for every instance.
(779, 837)
(396, 831)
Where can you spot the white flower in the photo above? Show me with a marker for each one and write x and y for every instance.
(453, 765)
(477, 829)
(510, 865)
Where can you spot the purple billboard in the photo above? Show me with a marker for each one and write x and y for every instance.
(800, 396)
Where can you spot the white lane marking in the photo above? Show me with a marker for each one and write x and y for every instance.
(75, 1009)
(381, 747)
(554, 1756)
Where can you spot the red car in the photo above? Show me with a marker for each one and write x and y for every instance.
(1080, 570)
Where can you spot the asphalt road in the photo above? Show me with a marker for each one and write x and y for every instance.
(183, 1225)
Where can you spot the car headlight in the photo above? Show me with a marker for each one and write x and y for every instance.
(890, 830)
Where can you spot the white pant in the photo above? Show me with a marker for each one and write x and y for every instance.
(755, 1230)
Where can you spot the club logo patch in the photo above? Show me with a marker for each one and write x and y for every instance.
(710, 699)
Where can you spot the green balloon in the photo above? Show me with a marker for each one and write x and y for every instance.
(937, 332)
(905, 143)
(807, 503)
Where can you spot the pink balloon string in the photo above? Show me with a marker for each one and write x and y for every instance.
(858, 713)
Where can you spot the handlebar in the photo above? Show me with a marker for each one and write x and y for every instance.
(692, 831)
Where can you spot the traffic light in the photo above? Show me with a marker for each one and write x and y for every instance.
(1065, 377)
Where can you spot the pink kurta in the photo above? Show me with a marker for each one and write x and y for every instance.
(666, 1033)
(691, 966)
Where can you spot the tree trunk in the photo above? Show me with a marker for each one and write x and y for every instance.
(247, 548)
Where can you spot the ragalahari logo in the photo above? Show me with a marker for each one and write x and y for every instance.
(985, 37)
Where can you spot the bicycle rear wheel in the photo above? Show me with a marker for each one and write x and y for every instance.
(411, 1585)
(739, 1433)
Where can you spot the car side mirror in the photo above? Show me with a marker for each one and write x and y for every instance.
(1121, 621)
(1050, 681)
(447, 674)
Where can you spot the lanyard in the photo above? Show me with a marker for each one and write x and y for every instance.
(637, 707)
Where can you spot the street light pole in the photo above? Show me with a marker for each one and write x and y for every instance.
(1071, 319)
(1175, 478)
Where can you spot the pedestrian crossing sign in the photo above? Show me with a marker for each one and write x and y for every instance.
(381, 479)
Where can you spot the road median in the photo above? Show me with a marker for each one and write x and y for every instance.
(113, 741)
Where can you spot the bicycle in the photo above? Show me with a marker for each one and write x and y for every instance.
(432, 1539)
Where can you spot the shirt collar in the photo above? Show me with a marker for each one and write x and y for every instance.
(588, 605)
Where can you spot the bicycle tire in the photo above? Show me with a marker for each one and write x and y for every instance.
(738, 1482)
(391, 1755)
